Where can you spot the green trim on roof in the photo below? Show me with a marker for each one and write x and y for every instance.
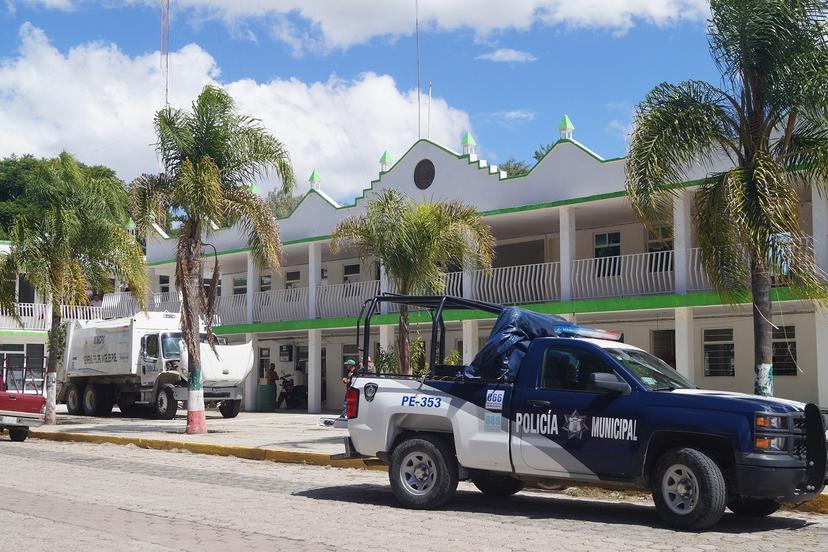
(566, 124)
(314, 177)
(386, 158)
(244, 249)
(23, 333)
(468, 139)
(581, 306)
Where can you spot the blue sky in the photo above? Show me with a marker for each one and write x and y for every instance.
(591, 59)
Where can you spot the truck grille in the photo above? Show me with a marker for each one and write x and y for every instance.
(799, 423)
(800, 448)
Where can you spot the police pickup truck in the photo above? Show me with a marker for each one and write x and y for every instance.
(549, 402)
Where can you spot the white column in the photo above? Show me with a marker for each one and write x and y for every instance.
(252, 285)
(682, 235)
(821, 325)
(819, 220)
(567, 250)
(251, 382)
(314, 371)
(386, 337)
(314, 269)
(385, 285)
(685, 343)
(470, 340)
(468, 278)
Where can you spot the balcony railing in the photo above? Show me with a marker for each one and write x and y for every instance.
(168, 301)
(344, 299)
(512, 285)
(280, 304)
(80, 312)
(623, 275)
(231, 309)
(697, 279)
(30, 316)
(117, 305)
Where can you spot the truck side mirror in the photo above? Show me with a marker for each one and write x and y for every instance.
(609, 382)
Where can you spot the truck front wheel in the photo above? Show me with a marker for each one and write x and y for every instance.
(18, 434)
(230, 409)
(497, 485)
(423, 472)
(165, 404)
(753, 507)
(689, 489)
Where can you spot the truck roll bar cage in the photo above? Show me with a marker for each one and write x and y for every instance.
(435, 304)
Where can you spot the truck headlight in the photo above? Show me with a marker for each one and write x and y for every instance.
(765, 421)
(776, 444)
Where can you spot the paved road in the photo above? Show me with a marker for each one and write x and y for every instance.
(89, 497)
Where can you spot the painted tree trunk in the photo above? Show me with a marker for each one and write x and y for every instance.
(196, 420)
(403, 344)
(51, 368)
(760, 283)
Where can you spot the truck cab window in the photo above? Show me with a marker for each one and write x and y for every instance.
(568, 369)
(152, 346)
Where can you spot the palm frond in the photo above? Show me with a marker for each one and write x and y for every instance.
(256, 221)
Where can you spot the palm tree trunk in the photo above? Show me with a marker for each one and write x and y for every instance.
(196, 420)
(51, 368)
(403, 344)
(760, 284)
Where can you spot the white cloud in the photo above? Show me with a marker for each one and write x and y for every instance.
(511, 119)
(98, 103)
(341, 24)
(507, 55)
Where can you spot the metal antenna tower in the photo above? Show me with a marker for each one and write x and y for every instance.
(165, 48)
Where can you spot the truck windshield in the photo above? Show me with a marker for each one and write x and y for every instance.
(652, 372)
(171, 343)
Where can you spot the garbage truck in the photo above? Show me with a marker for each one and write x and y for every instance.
(140, 363)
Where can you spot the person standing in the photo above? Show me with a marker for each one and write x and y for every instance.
(351, 367)
(272, 376)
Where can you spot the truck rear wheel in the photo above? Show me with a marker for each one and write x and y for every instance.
(689, 489)
(423, 472)
(230, 409)
(165, 404)
(97, 400)
(74, 399)
(18, 434)
(753, 507)
(497, 485)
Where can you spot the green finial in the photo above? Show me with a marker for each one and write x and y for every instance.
(386, 158)
(468, 139)
(130, 225)
(253, 189)
(566, 123)
(314, 177)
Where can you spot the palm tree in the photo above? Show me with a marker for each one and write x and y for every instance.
(70, 238)
(415, 243)
(769, 120)
(211, 156)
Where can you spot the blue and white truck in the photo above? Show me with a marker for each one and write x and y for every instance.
(549, 402)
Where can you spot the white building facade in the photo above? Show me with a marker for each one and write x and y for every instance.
(567, 243)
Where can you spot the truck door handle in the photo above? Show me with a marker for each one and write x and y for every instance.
(537, 403)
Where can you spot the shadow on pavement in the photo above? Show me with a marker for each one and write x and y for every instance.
(550, 507)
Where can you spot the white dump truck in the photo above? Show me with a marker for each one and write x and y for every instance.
(140, 364)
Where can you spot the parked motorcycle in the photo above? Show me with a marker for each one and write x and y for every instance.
(294, 396)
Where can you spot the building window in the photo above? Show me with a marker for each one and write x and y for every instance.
(265, 283)
(719, 352)
(660, 244)
(207, 287)
(323, 277)
(784, 351)
(292, 279)
(239, 285)
(164, 283)
(607, 251)
(264, 361)
(350, 274)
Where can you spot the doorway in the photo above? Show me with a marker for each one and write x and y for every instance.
(664, 345)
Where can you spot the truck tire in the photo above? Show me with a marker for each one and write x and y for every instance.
(497, 485)
(18, 434)
(423, 472)
(94, 399)
(230, 409)
(74, 399)
(689, 489)
(165, 404)
(753, 507)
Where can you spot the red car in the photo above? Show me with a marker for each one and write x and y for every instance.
(19, 411)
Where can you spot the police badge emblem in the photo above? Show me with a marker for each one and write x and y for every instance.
(575, 425)
(370, 390)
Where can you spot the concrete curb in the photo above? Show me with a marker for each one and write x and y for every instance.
(248, 453)
(818, 505)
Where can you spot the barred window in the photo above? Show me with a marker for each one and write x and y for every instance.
(719, 352)
(239, 285)
(784, 351)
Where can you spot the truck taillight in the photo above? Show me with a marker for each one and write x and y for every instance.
(352, 403)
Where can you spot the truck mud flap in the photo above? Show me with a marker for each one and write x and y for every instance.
(815, 456)
(350, 452)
